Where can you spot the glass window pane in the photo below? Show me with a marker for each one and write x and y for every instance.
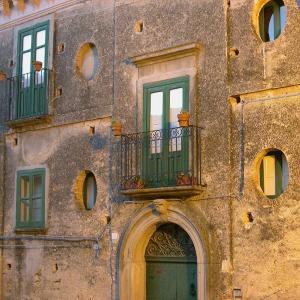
(24, 213)
(26, 42)
(40, 55)
(156, 121)
(271, 29)
(40, 38)
(37, 210)
(285, 173)
(24, 187)
(26, 63)
(90, 192)
(37, 186)
(176, 101)
(282, 17)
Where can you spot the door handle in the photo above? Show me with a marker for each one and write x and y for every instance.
(193, 289)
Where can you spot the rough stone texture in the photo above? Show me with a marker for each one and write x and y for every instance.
(260, 257)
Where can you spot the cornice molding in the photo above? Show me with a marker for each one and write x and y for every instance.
(38, 14)
(192, 49)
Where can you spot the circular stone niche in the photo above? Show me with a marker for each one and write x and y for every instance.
(87, 61)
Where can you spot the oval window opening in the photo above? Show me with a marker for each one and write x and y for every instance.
(272, 19)
(89, 191)
(87, 61)
(273, 174)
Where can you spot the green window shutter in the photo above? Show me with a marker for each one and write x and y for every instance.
(169, 156)
(32, 87)
(30, 205)
(273, 174)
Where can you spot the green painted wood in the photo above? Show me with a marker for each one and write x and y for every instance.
(270, 8)
(156, 171)
(171, 280)
(31, 98)
(31, 223)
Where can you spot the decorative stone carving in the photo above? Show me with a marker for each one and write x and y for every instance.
(161, 207)
(172, 241)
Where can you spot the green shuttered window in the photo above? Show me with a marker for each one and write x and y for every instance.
(31, 199)
(165, 156)
(272, 19)
(32, 86)
(274, 174)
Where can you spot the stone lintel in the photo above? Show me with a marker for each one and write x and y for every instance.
(166, 54)
(176, 192)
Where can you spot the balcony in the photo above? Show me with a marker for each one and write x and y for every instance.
(25, 98)
(161, 163)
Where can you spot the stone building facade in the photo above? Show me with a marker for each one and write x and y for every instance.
(208, 211)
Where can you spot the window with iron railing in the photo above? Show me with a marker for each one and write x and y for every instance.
(161, 158)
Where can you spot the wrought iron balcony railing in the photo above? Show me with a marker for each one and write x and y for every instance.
(161, 158)
(26, 96)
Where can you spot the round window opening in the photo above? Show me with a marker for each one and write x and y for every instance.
(272, 19)
(89, 191)
(273, 174)
(87, 61)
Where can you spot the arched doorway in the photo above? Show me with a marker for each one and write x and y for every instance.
(171, 265)
(133, 243)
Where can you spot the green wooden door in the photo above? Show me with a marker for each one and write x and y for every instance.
(171, 279)
(165, 152)
(32, 87)
(171, 265)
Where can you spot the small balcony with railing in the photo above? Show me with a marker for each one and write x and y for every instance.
(25, 98)
(161, 163)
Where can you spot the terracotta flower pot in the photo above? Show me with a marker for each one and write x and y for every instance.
(185, 179)
(183, 119)
(2, 76)
(134, 183)
(37, 65)
(117, 128)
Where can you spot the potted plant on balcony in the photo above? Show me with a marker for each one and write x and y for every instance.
(2, 75)
(117, 128)
(185, 179)
(37, 65)
(183, 118)
(136, 182)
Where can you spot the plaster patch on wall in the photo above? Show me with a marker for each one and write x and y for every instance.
(98, 142)
(115, 236)
(37, 146)
(226, 266)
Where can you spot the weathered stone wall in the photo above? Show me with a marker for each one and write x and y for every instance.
(266, 251)
(64, 262)
(260, 257)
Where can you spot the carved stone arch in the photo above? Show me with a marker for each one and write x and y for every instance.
(132, 247)
(170, 240)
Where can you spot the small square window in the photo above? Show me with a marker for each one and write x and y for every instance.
(30, 199)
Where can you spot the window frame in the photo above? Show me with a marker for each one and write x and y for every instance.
(21, 110)
(164, 86)
(30, 224)
(278, 174)
(278, 26)
(84, 191)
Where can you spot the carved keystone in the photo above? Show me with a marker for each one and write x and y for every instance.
(160, 206)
